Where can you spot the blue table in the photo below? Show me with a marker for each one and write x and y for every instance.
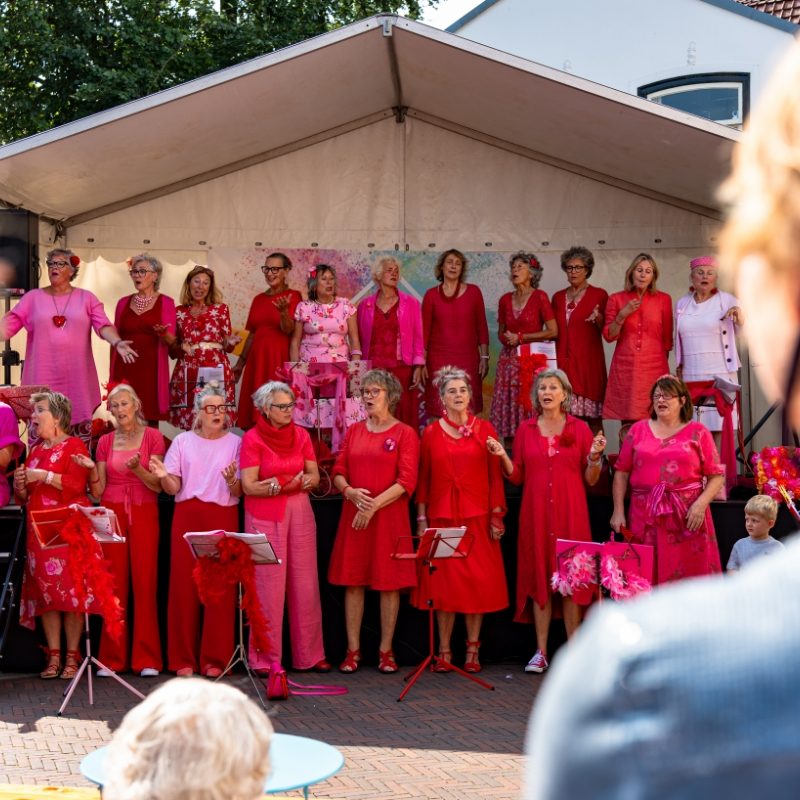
(297, 763)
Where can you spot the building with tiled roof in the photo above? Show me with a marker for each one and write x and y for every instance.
(784, 9)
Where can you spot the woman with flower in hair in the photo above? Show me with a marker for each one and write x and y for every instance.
(59, 320)
(147, 320)
(523, 316)
(270, 324)
(201, 469)
(454, 329)
(120, 478)
(376, 472)
(461, 483)
(555, 457)
(202, 341)
(672, 467)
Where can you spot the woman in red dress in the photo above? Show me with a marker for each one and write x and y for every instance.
(554, 455)
(51, 479)
(270, 324)
(454, 329)
(120, 477)
(202, 342)
(639, 320)
(146, 320)
(390, 332)
(460, 483)
(580, 312)
(523, 316)
(376, 472)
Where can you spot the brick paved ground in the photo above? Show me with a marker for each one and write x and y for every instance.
(447, 739)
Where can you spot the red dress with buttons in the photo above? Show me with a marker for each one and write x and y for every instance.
(553, 505)
(640, 356)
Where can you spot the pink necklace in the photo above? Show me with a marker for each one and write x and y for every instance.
(60, 318)
(141, 304)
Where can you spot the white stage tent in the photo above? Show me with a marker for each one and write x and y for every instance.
(383, 135)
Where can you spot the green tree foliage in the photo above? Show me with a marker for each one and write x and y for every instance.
(64, 59)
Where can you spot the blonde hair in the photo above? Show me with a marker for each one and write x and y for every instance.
(651, 289)
(763, 506)
(763, 192)
(190, 739)
(562, 378)
(124, 387)
(214, 296)
(59, 406)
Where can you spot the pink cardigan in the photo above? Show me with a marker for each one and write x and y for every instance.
(409, 317)
(169, 319)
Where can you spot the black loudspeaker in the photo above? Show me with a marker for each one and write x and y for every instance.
(19, 257)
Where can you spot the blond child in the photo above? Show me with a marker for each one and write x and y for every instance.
(760, 514)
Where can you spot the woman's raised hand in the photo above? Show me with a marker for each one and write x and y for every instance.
(598, 443)
(494, 447)
(157, 467)
(83, 461)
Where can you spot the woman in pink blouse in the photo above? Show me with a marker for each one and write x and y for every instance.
(278, 470)
(523, 316)
(390, 329)
(120, 478)
(454, 329)
(201, 470)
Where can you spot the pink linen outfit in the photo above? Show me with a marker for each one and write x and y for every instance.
(203, 503)
(136, 561)
(666, 477)
(60, 358)
(9, 437)
(324, 330)
(288, 522)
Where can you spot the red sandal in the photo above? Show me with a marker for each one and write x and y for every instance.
(350, 663)
(386, 662)
(71, 664)
(444, 660)
(471, 663)
(53, 668)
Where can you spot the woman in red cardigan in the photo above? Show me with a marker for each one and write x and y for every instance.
(580, 313)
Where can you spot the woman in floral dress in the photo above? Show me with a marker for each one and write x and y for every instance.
(203, 340)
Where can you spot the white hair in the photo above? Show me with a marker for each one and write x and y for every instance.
(190, 739)
(262, 397)
(447, 374)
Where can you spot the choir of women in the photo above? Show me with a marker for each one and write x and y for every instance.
(453, 474)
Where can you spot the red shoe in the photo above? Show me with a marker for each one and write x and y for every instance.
(386, 662)
(471, 663)
(322, 666)
(53, 668)
(350, 663)
(71, 664)
(444, 656)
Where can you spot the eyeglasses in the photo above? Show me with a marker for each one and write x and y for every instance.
(138, 273)
(284, 406)
(662, 396)
(370, 392)
(271, 270)
(574, 268)
(57, 264)
(220, 409)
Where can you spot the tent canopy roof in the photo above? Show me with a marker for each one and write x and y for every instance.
(351, 77)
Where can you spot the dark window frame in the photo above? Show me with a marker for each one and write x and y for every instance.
(696, 78)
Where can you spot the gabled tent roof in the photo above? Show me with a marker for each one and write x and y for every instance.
(379, 67)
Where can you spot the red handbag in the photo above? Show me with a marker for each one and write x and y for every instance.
(277, 683)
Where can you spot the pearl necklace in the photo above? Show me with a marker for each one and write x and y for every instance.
(141, 304)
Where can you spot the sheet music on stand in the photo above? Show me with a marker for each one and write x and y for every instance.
(204, 544)
(104, 522)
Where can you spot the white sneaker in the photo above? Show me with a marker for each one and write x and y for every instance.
(538, 663)
(149, 672)
(104, 673)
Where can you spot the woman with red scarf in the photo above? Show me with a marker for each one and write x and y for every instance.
(460, 483)
(278, 470)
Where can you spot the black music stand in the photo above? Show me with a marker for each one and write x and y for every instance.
(436, 544)
(205, 545)
(105, 531)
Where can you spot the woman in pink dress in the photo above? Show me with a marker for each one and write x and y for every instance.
(120, 477)
(201, 470)
(639, 320)
(674, 473)
(270, 325)
(580, 311)
(51, 478)
(454, 329)
(146, 319)
(278, 471)
(59, 320)
(202, 342)
(390, 330)
(376, 472)
(523, 316)
(10, 448)
(555, 457)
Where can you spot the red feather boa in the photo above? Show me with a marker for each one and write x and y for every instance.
(234, 565)
(88, 568)
(529, 367)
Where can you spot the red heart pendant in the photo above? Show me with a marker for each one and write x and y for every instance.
(59, 320)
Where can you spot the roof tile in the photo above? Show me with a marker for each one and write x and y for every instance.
(785, 9)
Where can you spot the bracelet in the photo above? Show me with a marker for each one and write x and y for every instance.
(422, 518)
(484, 357)
(232, 483)
(355, 353)
(49, 478)
(591, 460)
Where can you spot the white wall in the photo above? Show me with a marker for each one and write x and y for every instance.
(625, 44)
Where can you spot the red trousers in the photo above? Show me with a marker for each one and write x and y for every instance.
(186, 645)
(136, 563)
